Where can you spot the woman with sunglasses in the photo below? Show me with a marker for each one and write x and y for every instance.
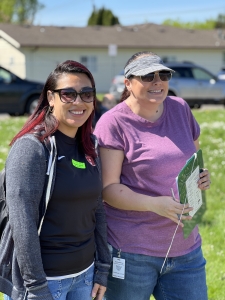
(144, 143)
(56, 250)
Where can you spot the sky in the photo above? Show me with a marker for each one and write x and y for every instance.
(130, 12)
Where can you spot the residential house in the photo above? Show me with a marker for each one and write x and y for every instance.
(32, 52)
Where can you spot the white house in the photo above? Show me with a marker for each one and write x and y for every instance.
(32, 52)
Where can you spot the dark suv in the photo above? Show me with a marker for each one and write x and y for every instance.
(17, 96)
(191, 82)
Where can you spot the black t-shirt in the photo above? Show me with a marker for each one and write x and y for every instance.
(67, 236)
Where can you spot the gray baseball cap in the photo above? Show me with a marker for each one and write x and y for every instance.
(144, 65)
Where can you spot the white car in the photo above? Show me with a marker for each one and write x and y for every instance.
(191, 82)
(221, 74)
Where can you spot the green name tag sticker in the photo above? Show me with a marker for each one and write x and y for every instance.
(79, 165)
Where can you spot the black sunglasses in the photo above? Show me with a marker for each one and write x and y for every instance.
(69, 95)
(163, 75)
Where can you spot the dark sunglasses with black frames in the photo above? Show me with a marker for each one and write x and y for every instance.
(163, 75)
(69, 95)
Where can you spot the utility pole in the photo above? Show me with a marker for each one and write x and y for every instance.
(93, 4)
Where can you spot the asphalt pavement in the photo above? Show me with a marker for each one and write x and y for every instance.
(212, 107)
(4, 116)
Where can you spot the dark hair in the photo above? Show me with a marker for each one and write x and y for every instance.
(126, 93)
(44, 123)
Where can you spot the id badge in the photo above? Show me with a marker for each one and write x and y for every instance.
(118, 270)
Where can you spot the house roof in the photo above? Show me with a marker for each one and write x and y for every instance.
(145, 36)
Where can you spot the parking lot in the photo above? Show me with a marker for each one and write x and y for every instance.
(211, 107)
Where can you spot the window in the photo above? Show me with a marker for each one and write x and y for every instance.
(90, 62)
(201, 74)
(5, 76)
(223, 59)
(182, 72)
(167, 59)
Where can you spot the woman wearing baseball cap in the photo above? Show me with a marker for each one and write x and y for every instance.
(144, 143)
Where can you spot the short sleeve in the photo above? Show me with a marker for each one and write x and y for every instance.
(194, 126)
(109, 132)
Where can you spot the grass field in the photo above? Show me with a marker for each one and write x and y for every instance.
(212, 229)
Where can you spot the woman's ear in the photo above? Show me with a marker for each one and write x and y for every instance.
(127, 83)
(51, 98)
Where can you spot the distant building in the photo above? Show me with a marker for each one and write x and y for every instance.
(33, 51)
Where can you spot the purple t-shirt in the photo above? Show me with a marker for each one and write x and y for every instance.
(154, 154)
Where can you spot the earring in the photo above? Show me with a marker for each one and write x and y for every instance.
(50, 109)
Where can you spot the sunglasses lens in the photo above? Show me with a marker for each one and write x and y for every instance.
(148, 78)
(87, 94)
(165, 76)
(68, 96)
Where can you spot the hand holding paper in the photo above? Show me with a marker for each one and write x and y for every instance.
(204, 181)
(189, 185)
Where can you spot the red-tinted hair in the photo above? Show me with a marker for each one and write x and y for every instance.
(44, 122)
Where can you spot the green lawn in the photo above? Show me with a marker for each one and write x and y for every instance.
(212, 228)
(212, 142)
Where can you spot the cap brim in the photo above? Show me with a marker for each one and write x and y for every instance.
(153, 68)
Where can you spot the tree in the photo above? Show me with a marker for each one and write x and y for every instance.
(102, 17)
(19, 11)
(6, 10)
(220, 22)
(208, 24)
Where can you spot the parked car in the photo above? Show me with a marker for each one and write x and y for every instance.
(117, 86)
(191, 82)
(18, 96)
(221, 74)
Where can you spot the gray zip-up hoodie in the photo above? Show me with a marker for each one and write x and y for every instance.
(21, 271)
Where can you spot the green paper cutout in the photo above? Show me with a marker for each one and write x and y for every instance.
(189, 167)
